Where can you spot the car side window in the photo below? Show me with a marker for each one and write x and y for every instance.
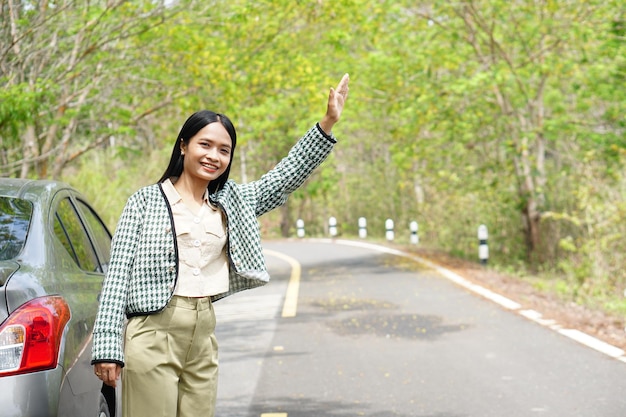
(101, 235)
(70, 231)
(15, 216)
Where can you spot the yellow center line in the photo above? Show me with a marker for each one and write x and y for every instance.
(291, 296)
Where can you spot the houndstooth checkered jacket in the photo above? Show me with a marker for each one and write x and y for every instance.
(143, 268)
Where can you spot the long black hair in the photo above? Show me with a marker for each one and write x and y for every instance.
(194, 123)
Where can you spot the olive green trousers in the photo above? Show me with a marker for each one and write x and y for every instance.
(171, 361)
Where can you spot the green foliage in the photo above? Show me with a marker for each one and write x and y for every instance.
(18, 107)
(460, 114)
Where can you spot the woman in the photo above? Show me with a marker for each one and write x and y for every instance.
(180, 245)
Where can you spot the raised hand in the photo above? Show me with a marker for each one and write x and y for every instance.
(336, 100)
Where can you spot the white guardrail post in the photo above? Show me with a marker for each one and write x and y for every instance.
(300, 227)
(389, 230)
(413, 226)
(332, 226)
(362, 227)
(483, 248)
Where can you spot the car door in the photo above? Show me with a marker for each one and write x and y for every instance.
(101, 240)
(98, 232)
(75, 227)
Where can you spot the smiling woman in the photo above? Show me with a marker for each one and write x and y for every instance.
(206, 156)
(181, 244)
(208, 130)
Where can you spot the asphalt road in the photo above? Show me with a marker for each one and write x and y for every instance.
(378, 335)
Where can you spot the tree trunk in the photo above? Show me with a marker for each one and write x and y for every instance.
(285, 219)
(29, 150)
(531, 219)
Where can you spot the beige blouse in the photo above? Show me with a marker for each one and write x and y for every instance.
(203, 267)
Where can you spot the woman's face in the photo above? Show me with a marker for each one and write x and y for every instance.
(207, 154)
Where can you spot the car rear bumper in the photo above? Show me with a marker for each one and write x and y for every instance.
(33, 394)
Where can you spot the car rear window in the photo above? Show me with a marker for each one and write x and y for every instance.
(15, 215)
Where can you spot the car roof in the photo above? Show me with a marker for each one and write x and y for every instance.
(29, 189)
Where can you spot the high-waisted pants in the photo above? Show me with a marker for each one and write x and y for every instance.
(171, 361)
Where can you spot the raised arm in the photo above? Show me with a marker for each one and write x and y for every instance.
(273, 188)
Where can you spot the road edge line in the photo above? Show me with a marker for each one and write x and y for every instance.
(573, 334)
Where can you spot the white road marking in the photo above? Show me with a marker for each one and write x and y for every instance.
(454, 277)
(592, 342)
(538, 318)
(535, 316)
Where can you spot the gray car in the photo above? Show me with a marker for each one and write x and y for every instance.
(54, 251)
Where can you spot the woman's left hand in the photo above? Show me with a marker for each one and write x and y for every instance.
(336, 100)
(108, 373)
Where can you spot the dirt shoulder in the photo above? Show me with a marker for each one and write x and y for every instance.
(608, 328)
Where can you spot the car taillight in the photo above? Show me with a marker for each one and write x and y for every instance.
(30, 336)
